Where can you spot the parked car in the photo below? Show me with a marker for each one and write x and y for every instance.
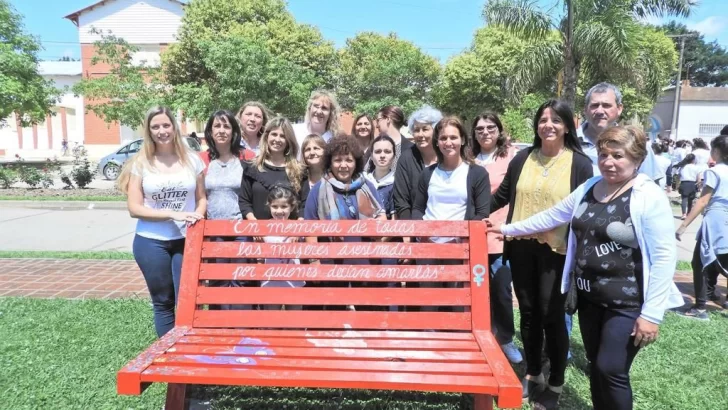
(110, 165)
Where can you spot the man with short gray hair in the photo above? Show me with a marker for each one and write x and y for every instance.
(602, 109)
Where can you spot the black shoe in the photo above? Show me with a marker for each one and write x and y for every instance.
(547, 400)
(695, 314)
(725, 304)
(714, 297)
(531, 388)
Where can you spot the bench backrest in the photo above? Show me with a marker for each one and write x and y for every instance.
(350, 273)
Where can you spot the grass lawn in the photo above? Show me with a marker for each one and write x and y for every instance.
(67, 255)
(64, 354)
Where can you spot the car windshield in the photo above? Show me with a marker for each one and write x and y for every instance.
(193, 144)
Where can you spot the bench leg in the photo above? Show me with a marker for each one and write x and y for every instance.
(483, 402)
(176, 396)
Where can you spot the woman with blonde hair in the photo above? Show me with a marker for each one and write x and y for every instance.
(276, 164)
(322, 117)
(252, 116)
(165, 186)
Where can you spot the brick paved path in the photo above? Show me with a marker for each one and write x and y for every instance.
(103, 279)
(71, 278)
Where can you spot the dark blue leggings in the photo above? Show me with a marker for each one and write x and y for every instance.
(610, 350)
(161, 265)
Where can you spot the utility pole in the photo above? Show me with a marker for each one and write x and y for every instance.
(678, 84)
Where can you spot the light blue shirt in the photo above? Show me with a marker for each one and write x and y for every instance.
(649, 166)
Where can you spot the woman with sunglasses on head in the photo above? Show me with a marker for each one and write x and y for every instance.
(276, 164)
(491, 150)
(388, 121)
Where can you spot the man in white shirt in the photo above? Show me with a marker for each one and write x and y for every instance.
(602, 109)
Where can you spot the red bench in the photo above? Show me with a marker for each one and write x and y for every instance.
(450, 349)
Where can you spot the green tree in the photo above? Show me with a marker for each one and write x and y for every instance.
(591, 34)
(376, 70)
(129, 88)
(704, 64)
(266, 29)
(244, 69)
(22, 89)
(477, 79)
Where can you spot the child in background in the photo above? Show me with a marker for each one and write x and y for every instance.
(282, 203)
(689, 174)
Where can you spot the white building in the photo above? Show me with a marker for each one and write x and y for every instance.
(150, 25)
(67, 122)
(702, 113)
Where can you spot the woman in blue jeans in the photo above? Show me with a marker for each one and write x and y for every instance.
(165, 187)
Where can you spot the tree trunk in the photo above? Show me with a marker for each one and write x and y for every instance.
(571, 76)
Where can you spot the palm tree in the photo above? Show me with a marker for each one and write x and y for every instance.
(595, 35)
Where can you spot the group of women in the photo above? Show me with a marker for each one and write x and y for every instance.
(560, 235)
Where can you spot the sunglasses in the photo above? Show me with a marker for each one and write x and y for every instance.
(490, 128)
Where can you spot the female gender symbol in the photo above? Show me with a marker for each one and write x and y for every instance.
(479, 271)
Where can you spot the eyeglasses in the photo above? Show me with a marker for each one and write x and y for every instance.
(490, 128)
(380, 119)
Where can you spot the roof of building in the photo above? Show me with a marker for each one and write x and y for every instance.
(704, 94)
(65, 68)
(74, 16)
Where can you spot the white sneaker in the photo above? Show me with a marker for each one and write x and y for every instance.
(512, 353)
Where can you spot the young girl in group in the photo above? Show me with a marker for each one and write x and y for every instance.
(382, 172)
(710, 257)
(165, 186)
(282, 203)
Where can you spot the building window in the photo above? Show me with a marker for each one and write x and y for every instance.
(709, 130)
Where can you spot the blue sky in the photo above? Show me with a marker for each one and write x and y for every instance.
(441, 27)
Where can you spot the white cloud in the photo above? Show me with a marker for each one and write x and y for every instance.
(711, 26)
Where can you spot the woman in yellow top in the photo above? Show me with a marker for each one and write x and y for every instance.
(538, 178)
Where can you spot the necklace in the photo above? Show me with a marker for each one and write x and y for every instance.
(224, 164)
(448, 174)
(546, 169)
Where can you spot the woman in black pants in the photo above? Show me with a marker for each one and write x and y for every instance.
(536, 180)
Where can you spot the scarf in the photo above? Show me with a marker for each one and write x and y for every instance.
(333, 207)
(387, 180)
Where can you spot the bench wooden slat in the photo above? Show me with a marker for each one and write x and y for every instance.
(333, 319)
(372, 273)
(350, 341)
(364, 296)
(321, 379)
(334, 334)
(327, 364)
(336, 228)
(335, 250)
(509, 390)
(331, 353)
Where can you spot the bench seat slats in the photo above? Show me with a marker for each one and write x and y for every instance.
(320, 379)
(335, 228)
(324, 352)
(335, 296)
(369, 273)
(351, 341)
(334, 334)
(174, 359)
(332, 319)
(335, 250)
